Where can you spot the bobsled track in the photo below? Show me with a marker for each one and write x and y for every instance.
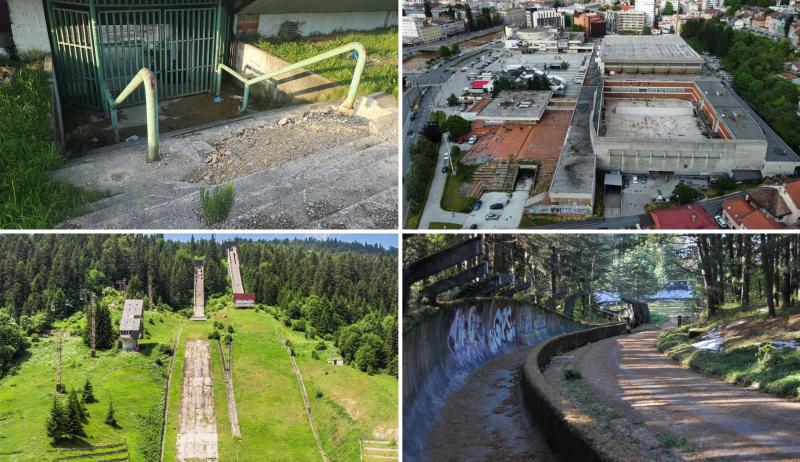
(462, 397)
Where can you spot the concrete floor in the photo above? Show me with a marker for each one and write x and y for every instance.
(636, 196)
(652, 119)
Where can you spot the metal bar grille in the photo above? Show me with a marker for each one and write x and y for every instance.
(175, 39)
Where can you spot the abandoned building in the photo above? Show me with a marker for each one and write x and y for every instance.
(130, 326)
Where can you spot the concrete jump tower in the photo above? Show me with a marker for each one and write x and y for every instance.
(240, 298)
(199, 292)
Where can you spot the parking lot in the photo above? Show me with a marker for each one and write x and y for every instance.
(510, 214)
(636, 194)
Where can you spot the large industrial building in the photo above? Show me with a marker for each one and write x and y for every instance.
(648, 54)
(682, 127)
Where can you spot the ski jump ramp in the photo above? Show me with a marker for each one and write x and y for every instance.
(240, 298)
(199, 292)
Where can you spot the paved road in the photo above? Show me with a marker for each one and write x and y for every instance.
(433, 211)
(721, 421)
(485, 419)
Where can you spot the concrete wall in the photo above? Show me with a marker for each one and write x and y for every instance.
(441, 350)
(682, 158)
(570, 434)
(300, 84)
(325, 23)
(28, 25)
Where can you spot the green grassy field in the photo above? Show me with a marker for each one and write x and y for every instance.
(134, 381)
(380, 73)
(443, 225)
(660, 312)
(352, 406)
(740, 361)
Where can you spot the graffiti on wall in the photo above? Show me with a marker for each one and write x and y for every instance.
(525, 322)
(466, 337)
(502, 328)
(540, 322)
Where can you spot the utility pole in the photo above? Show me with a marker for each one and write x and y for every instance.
(59, 386)
(94, 325)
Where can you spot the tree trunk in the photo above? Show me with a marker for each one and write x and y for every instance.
(747, 248)
(786, 286)
(768, 263)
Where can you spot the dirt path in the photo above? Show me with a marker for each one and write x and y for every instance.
(719, 421)
(485, 419)
(197, 425)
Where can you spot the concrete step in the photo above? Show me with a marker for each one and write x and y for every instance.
(354, 182)
(329, 177)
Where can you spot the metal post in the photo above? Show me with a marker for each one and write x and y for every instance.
(145, 78)
(98, 58)
(217, 36)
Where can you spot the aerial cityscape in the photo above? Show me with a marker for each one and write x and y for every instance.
(605, 115)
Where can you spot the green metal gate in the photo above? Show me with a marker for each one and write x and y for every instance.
(104, 43)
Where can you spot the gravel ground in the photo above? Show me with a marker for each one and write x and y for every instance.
(253, 150)
(486, 419)
(672, 411)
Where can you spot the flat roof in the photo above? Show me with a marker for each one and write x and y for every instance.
(575, 171)
(648, 49)
(517, 105)
(736, 118)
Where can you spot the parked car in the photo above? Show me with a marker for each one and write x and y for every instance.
(472, 139)
(497, 206)
(493, 216)
(445, 168)
(477, 206)
(473, 226)
(721, 221)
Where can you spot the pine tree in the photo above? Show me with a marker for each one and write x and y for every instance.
(55, 421)
(110, 419)
(75, 416)
(88, 393)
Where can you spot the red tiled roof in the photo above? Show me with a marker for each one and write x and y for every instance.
(793, 190)
(480, 84)
(769, 199)
(685, 217)
(759, 220)
(737, 208)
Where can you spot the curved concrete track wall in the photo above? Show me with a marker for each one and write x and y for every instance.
(441, 350)
(570, 434)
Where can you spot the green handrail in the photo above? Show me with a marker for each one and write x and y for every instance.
(351, 95)
(145, 77)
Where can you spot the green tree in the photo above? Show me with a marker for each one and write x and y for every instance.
(444, 52)
(576, 28)
(669, 10)
(454, 49)
(470, 19)
(647, 31)
(13, 347)
(369, 356)
(452, 100)
(75, 416)
(457, 126)
(110, 418)
(105, 335)
(88, 393)
(684, 194)
(56, 425)
(427, 6)
(634, 273)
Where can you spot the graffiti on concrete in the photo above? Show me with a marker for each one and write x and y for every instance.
(525, 322)
(502, 329)
(466, 336)
(540, 322)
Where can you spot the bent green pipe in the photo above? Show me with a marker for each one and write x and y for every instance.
(351, 94)
(146, 78)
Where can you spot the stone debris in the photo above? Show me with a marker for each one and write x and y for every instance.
(254, 149)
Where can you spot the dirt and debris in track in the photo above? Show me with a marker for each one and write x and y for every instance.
(674, 413)
(251, 150)
(486, 420)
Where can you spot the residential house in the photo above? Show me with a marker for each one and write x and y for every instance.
(683, 217)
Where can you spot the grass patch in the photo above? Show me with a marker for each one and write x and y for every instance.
(380, 73)
(443, 225)
(216, 203)
(134, 381)
(743, 361)
(532, 221)
(31, 199)
(452, 200)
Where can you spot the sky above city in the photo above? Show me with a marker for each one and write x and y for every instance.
(384, 240)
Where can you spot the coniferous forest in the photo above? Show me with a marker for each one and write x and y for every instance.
(340, 291)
